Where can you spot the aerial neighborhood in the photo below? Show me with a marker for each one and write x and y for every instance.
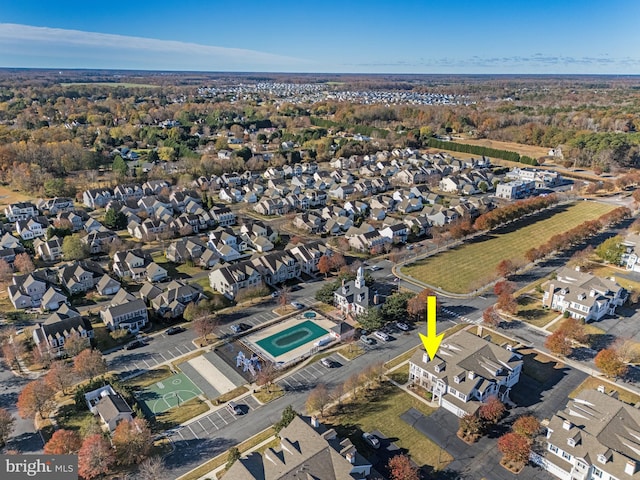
(240, 281)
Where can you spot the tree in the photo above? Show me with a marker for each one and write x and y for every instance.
(119, 166)
(74, 344)
(395, 306)
(573, 329)
(514, 447)
(73, 248)
(89, 364)
(232, 457)
(7, 423)
(470, 424)
(288, 414)
(490, 317)
(132, 440)
(317, 399)
(609, 363)
(205, 325)
(504, 287)
(95, 457)
(492, 410)
(115, 220)
(324, 265)
(266, 375)
(507, 303)
(505, 268)
(558, 343)
(337, 261)
(284, 296)
(36, 398)
(371, 319)
(611, 250)
(60, 376)
(23, 263)
(325, 294)
(526, 426)
(401, 468)
(151, 469)
(63, 442)
(417, 306)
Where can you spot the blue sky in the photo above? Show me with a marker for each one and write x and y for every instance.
(534, 36)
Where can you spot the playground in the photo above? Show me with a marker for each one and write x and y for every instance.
(167, 394)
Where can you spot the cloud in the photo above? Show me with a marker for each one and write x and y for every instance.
(70, 44)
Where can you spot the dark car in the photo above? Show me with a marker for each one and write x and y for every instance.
(296, 288)
(174, 330)
(240, 327)
(135, 344)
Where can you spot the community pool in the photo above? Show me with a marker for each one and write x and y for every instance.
(291, 338)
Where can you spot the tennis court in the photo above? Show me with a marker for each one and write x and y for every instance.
(167, 394)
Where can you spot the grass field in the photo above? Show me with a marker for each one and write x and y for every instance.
(528, 150)
(8, 196)
(381, 410)
(469, 266)
(530, 310)
(110, 84)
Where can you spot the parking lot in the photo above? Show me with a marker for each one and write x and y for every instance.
(144, 358)
(307, 377)
(253, 321)
(208, 425)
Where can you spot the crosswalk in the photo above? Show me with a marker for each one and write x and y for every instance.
(461, 317)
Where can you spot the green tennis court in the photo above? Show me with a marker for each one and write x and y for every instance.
(167, 394)
(291, 338)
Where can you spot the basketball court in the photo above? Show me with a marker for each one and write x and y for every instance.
(167, 394)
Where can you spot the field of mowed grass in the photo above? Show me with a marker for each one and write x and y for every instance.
(473, 264)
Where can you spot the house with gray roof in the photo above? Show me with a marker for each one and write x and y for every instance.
(353, 296)
(596, 436)
(109, 406)
(131, 315)
(308, 450)
(465, 372)
(50, 336)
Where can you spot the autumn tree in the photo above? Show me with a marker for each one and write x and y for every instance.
(6, 272)
(266, 375)
(63, 442)
(89, 364)
(23, 263)
(490, 317)
(417, 306)
(401, 468)
(505, 268)
(284, 296)
(317, 399)
(337, 261)
(492, 410)
(205, 325)
(7, 423)
(74, 344)
(60, 376)
(507, 303)
(132, 441)
(527, 426)
(573, 329)
(324, 265)
(504, 287)
(151, 469)
(514, 447)
(608, 362)
(558, 343)
(95, 457)
(470, 424)
(36, 398)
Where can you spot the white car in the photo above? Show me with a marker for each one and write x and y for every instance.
(402, 326)
(297, 305)
(371, 439)
(382, 336)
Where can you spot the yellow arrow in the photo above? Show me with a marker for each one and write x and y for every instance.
(431, 340)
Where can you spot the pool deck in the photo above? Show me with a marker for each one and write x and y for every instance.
(252, 340)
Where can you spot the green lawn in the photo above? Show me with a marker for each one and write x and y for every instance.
(174, 417)
(380, 410)
(149, 378)
(472, 265)
(530, 310)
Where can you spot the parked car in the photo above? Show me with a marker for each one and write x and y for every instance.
(402, 326)
(367, 340)
(240, 327)
(234, 408)
(174, 330)
(135, 344)
(382, 336)
(371, 439)
(297, 305)
(296, 288)
(327, 362)
(275, 294)
(375, 268)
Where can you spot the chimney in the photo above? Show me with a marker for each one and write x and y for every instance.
(577, 268)
(472, 374)
(480, 331)
(425, 357)
(549, 301)
(351, 457)
(314, 422)
(376, 299)
(592, 293)
(631, 467)
(567, 425)
(601, 389)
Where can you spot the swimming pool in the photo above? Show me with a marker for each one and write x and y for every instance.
(291, 338)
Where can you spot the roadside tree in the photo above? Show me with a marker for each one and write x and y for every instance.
(63, 442)
(514, 447)
(95, 457)
(36, 398)
(401, 468)
(89, 364)
(608, 362)
(7, 424)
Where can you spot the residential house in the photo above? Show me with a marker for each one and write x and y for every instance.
(9, 241)
(50, 250)
(466, 371)
(128, 191)
(131, 315)
(307, 450)
(27, 290)
(271, 206)
(32, 228)
(99, 241)
(52, 300)
(107, 286)
(595, 437)
(277, 267)
(148, 229)
(80, 277)
(396, 233)
(172, 302)
(585, 296)
(631, 257)
(109, 406)
(232, 279)
(223, 216)
(97, 197)
(515, 189)
(184, 249)
(54, 206)
(136, 265)
(76, 220)
(20, 211)
(365, 242)
(51, 335)
(308, 255)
